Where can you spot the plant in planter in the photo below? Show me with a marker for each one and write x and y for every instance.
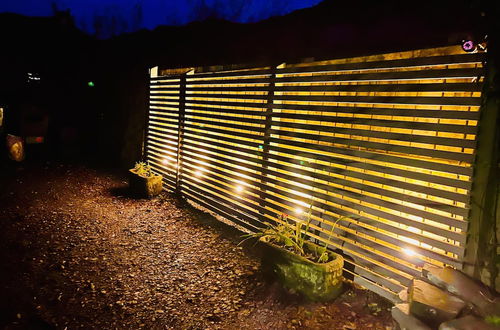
(143, 181)
(301, 265)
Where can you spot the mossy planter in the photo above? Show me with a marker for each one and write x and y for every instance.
(145, 187)
(315, 281)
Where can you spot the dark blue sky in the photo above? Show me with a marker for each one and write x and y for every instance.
(125, 16)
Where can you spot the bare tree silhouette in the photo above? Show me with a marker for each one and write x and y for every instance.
(137, 16)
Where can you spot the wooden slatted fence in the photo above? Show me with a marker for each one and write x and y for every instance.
(386, 142)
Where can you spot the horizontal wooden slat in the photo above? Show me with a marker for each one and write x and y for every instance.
(164, 111)
(168, 125)
(417, 163)
(198, 124)
(168, 173)
(231, 180)
(189, 118)
(450, 128)
(228, 117)
(241, 205)
(162, 130)
(388, 64)
(167, 77)
(428, 87)
(444, 141)
(466, 101)
(387, 169)
(227, 104)
(226, 141)
(246, 112)
(397, 112)
(238, 80)
(160, 82)
(169, 138)
(375, 287)
(394, 148)
(391, 75)
(213, 204)
(235, 73)
(224, 155)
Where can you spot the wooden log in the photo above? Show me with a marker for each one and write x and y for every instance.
(433, 305)
(401, 314)
(454, 281)
(468, 322)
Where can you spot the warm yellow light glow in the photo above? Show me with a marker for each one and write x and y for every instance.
(409, 252)
(336, 148)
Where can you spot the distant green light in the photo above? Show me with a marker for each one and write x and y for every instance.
(261, 147)
(301, 162)
(90, 83)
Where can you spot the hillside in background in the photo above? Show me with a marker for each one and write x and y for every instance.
(330, 29)
(67, 59)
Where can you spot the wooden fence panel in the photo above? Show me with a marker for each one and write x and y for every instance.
(387, 141)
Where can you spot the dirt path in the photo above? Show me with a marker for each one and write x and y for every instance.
(76, 252)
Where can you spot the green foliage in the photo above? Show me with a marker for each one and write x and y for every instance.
(143, 169)
(283, 233)
(323, 250)
(493, 319)
(291, 234)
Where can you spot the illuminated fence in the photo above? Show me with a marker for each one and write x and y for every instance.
(385, 141)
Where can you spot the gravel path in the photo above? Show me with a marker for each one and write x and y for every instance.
(77, 252)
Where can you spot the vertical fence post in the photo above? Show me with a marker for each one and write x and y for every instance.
(267, 136)
(481, 240)
(153, 73)
(180, 132)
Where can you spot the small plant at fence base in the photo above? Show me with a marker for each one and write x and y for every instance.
(300, 265)
(143, 181)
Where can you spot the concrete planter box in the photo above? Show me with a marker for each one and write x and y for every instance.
(145, 187)
(315, 281)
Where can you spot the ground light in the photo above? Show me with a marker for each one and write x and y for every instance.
(239, 188)
(298, 210)
(409, 252)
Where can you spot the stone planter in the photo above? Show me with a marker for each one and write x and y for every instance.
(315, 281)
(145, 187)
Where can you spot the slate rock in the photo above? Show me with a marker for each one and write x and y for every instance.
(406, 321)
(454, 281)
(431, 304)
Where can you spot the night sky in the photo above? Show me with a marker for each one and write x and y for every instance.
(111, 17)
